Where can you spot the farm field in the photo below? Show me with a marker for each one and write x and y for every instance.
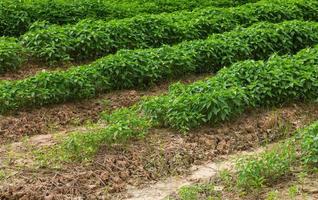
(159, 99)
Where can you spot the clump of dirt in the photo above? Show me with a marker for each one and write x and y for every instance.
(162, 153)
(38, 121)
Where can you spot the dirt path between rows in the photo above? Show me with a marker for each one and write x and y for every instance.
(32, 68)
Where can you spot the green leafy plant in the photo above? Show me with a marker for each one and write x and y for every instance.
(12, 54)
(190, 111)
(52, 43)
(309, 144)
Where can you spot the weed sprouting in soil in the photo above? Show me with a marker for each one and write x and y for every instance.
(199, 191)
(257, 171)
(2, 175)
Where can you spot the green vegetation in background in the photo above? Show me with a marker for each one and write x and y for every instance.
(16, 16)
(90, 39)
(246, 84)
(141, 68)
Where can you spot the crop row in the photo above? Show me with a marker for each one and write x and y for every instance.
(90, 39)
(141, 68)
(16, 16)
(246, 84)
(11, 54)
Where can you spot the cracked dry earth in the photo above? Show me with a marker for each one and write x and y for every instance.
(162, 153)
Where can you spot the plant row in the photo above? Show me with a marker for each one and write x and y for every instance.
(246, 84)
(90, 39)
(16, 16)
(11, 54)
(141, 68)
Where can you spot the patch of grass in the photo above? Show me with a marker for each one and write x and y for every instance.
(199, 191)
(226, 178)
(26, 143)
(272, 195)
(105, 103)
(293, 191)
(301, 176)
(309, 145)
(253, 172)
(189, 192)
(81, 146)
(2, 175)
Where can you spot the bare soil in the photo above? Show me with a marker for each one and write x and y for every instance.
(32, 68)
(160, 154)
